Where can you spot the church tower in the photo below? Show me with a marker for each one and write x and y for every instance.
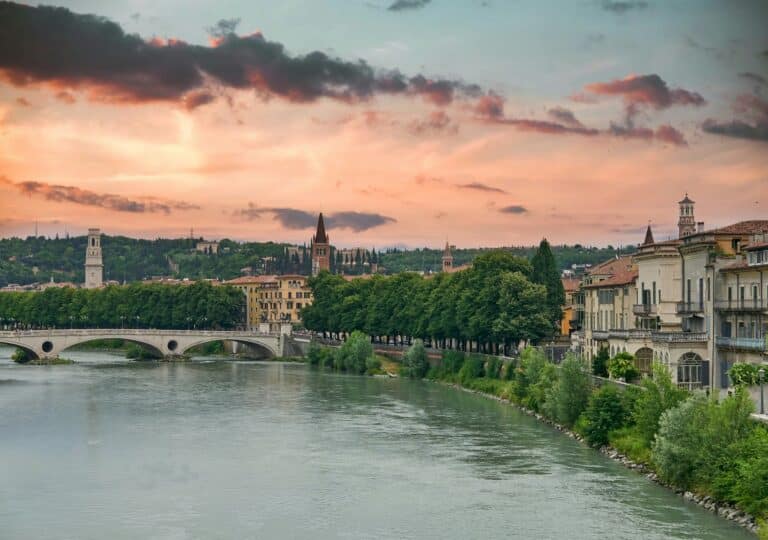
(321, 248)
(94, 268)
(447, 258)
(686, 224)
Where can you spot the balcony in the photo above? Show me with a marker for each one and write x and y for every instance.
(757, 304)
(630, 334)
(690, 385)
(680, 337)
(644, 309)
(747, 344)
(599, 335)
(688, 308)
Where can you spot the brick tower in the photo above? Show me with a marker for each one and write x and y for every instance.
(321, 248)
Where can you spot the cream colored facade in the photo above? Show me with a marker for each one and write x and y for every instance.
(273, 299)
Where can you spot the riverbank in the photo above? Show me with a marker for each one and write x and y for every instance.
(723, 510)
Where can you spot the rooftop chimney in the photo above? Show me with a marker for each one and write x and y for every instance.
(700, 227)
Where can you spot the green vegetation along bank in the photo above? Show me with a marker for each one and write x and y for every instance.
(708, 449)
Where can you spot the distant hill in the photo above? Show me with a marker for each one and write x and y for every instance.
(36, 259)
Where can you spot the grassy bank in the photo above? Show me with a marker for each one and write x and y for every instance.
(707, 448)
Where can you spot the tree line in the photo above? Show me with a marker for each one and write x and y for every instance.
(200, 305)
(499, 301)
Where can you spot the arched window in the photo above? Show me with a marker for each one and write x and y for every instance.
(644, 360)
(689, 371)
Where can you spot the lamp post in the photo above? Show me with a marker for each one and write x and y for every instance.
(122, 321)
(761, 375)
(189, 321)
(138, 318)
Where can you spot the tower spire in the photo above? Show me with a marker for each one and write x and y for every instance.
(648, 236)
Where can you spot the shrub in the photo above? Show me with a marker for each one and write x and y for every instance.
(600, 363)
(137, 352)
(742, 374)
(493, 368)
(606, 412)
(21, 356)
(415, 363)
(659, 395)
(622, 366)
(354, 353)
(568, 397)
(471, 369)
(537, 392)
(750, 472)
(532, 362)
(675, 449)
(629, 442)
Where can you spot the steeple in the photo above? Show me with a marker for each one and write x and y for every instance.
(94, 266)
(447, 258)
(321, 248)
(648, 236)
(320, 236)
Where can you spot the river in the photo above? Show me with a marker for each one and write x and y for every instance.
(215, 449)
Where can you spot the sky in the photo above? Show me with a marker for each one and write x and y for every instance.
(406, 122)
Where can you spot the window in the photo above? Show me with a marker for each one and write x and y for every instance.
(701, 291)
(688, 291)
(654, 292)
(709, 289)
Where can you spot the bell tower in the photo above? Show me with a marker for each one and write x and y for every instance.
(686, 224)
(321, 248)
(94, 267)
(447, 258)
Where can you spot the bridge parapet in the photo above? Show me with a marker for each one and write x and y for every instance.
(168, 343)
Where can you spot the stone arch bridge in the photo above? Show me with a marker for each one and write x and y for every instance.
(167, 343)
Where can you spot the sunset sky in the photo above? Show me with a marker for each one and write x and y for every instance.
(407, 122)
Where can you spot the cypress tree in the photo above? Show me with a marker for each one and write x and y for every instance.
(546, 273)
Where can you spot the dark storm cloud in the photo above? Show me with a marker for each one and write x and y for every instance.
(622, 6)
(514, 209)
(403, 5)
(53, 46)
(118, 203)
(292, 218)
(478, 186)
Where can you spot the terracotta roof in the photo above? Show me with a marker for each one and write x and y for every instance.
(247, 280)
(570, 284)
(742, 227)
(620, 271)
(760, 245)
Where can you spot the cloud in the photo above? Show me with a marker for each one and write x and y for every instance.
(93, 54)
(754, 125)
(622, 6)
(564, 116)
(23, 102)
(292, 218)
(435, 122)
(118, 203)
(403, 5)
(753, 77)
(642, 90)
(515, 209)
(65, 97)
(664, 133)
(481, 187)
(490, 108)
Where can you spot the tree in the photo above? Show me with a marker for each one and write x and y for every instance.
(660, 395)
(545, 271)
(415, 361)
(606, 412)
(600, 362)
(568, 397)
(622, 366)
(355, 355)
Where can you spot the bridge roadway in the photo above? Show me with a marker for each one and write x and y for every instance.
(168, 343)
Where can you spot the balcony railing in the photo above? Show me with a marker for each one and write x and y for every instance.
(630, 334)
(749, 344)
(599, 334)
(644, 309)
(690, 307)
(680, 337)
(690, 386)
(756, 304)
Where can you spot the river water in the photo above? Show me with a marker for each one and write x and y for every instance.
(216, 449)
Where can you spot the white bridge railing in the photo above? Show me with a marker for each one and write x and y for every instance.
(117, 332)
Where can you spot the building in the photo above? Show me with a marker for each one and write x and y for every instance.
(94, 267)
(448, 265)
(321, 248)
(742, 312)
(273, 300)
(568, 323)
(209, 248)
(700, 304)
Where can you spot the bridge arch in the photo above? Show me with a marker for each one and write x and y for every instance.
(271, 352)
(29, 350)
(86, 339)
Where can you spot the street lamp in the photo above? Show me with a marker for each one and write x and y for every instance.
(71, 318)
(122, 319)
(138, 318)
(761, 376)
(189, 321)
